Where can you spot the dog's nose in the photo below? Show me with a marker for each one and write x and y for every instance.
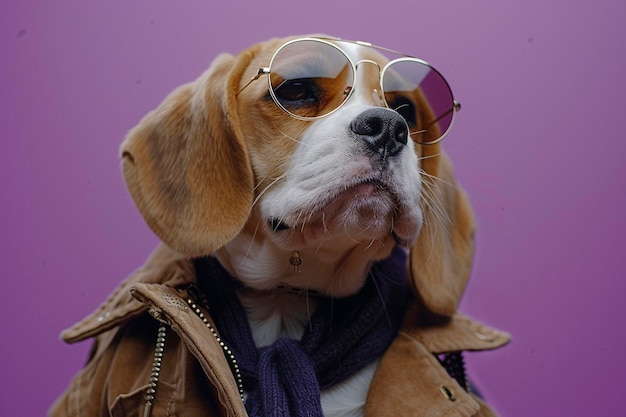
(381, 130)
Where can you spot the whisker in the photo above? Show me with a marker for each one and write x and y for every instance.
(301, 217)
(369, 245)
(347, 232)
(435, 205)
(400, 106)
(434, 212)
(417, 132)
(435, 178)
(319, 247)
(256, 229)
(280, 166)
(324, 222)
(271, 184)
(434, 122)
(285, 134)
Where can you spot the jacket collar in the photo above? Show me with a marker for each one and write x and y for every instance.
(164, 267)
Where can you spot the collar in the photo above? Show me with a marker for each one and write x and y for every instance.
(163, 267)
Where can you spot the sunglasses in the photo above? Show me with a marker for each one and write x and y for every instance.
(310, 78)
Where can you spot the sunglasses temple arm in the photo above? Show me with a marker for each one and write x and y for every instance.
(261, 71)
(455, 107)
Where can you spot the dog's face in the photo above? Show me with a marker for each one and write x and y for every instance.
(350, 176)
(224, 165)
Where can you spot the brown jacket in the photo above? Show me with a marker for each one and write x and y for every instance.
(195, 378)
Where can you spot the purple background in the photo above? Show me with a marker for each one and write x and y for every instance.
(539, 145)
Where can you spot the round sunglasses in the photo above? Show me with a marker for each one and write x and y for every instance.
(310, 78)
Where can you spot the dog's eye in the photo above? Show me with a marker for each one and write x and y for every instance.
(296, 90)
(406, 108)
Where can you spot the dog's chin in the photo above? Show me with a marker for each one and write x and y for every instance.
(367, 213)
(363, 211)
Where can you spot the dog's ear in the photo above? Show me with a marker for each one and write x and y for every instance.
(441, 259)
(186, 164)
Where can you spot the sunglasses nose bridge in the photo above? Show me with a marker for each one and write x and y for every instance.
(368, 83)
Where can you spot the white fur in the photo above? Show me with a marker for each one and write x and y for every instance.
(338, 230)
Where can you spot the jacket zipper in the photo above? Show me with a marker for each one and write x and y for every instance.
(159, 350)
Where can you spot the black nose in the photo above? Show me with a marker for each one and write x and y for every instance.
(382, 130)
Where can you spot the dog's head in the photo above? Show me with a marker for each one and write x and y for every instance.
(336, 151)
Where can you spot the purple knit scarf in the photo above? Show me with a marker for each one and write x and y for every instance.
(285, 378)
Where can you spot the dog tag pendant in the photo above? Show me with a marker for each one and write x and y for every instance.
(295, 261)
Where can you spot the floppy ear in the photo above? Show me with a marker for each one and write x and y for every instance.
(441, 259)
(186, 164)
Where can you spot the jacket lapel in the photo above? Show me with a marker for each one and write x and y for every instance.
(410, 381)
(167, 305)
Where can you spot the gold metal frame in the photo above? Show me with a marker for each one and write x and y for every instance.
(456, 106)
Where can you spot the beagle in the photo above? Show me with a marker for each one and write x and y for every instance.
(298, 164)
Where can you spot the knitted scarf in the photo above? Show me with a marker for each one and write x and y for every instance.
(285, 378)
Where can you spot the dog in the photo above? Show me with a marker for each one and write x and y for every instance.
(299, 166)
